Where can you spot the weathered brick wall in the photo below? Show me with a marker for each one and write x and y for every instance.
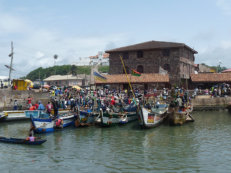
(153, 59)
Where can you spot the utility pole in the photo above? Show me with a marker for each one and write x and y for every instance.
(11, 61)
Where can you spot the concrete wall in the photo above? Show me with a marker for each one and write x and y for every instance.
(210, 103)
(7, 97)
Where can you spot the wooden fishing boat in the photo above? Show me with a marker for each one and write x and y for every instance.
(179, 117)
(22, 141)
(149, 118)
(2, 116)
(23, 114)
(46, 124)
(14, 115)
(85, 118)
(108, 118)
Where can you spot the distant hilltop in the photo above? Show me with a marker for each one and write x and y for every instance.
(42, 73)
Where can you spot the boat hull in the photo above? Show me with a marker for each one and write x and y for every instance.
(21, 141)
(110, 119)
(176, 117)
(148, 119)
(47, 125)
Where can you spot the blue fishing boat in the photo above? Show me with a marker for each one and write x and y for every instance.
(85, 118)
(46, 124)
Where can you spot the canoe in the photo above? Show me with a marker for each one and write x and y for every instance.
(149, 119)
(22, 141)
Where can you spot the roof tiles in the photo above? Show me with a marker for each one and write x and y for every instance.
(150, 45)
(211, 77)
(144, 78)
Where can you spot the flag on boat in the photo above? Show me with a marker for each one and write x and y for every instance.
(135, 73)
(99, 76)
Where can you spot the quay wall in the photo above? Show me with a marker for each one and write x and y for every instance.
(7, 97)
(210, 103)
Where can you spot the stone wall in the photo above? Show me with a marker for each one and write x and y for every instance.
(210, 103)
(7, 97)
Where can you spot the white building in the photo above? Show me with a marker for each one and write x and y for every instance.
(102, 58)
(68, 80)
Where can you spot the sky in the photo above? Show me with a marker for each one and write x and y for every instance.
(77, 29)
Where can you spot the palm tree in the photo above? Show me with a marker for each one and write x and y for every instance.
(55, 57)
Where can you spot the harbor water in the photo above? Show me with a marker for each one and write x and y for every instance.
(202, 146)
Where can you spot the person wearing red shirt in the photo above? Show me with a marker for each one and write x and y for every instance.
(112, 101)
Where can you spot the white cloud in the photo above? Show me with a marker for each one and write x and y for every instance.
(225, 6)
(35, 47)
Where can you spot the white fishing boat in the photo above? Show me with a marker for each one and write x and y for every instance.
(14, 115)
(149, 118)
(45, 124)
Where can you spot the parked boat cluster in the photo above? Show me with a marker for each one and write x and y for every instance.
(108, 111)
(86, 110)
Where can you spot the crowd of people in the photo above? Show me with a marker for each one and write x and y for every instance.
(71, 98)
(219, 90)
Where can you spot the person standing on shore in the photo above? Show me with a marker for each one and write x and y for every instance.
(29, 100)
(15, 105)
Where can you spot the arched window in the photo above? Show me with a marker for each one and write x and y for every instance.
(127, 70)
(167, 67)
(140, 68)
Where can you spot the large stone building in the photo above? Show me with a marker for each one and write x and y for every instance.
(175, 59)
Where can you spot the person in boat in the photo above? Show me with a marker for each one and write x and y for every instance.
(36, 105)
(41, 107)
(59, 123)
(72, 103)
(31, 138)
(29, 100)
(32, 108)
(56, 107)
(49, 107)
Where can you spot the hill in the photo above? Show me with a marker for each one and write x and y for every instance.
(42, 73)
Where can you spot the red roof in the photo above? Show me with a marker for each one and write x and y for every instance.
(227, 71)
(211, 77)
(144, 78)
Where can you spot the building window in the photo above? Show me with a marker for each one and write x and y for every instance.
(125, 55)
(167, 67)
(140, 54)
(127, 70)
(166, 52)
(140, 68)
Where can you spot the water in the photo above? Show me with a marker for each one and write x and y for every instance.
(202, 146)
